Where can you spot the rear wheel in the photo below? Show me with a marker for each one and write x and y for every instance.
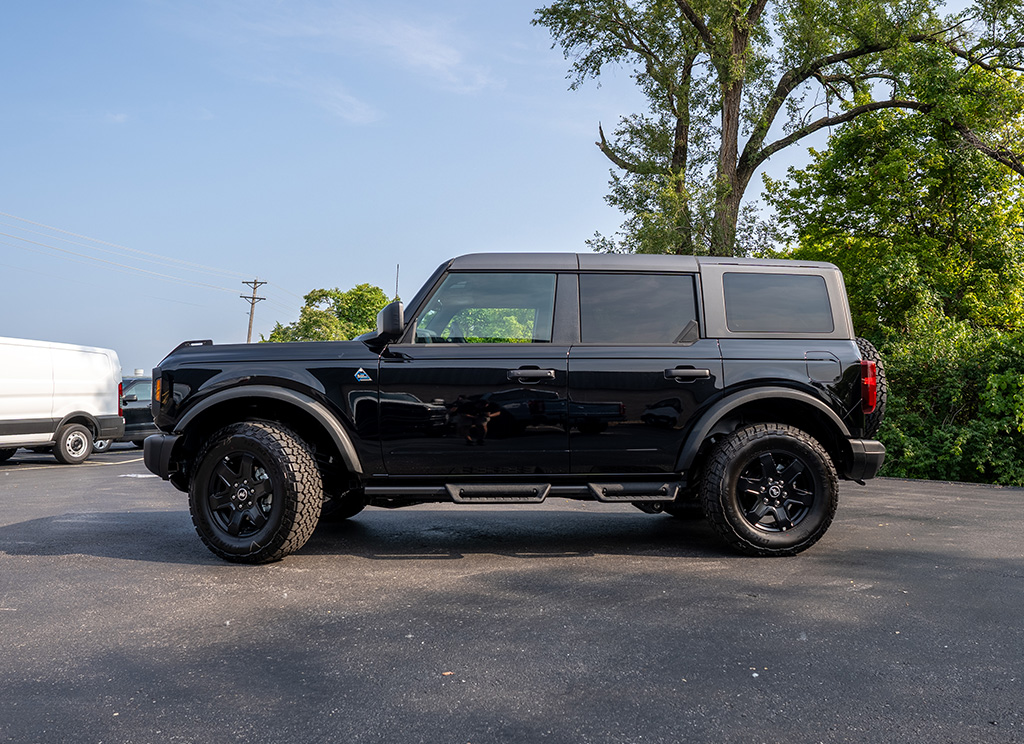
(74, 444)
(256, 493)
(770, 489)
(101, 445)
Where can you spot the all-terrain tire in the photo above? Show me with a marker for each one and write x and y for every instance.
(769, 490)
(256, 492)
(873, 420)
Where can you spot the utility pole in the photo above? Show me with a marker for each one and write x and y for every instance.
(252, 304)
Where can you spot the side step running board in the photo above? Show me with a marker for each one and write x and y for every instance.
(633, 492)
(470, 493)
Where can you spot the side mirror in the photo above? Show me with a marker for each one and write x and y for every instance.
(391, 321)
(131, 398)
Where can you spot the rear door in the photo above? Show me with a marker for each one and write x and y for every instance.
(640, 372)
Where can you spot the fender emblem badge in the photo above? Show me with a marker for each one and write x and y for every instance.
(361, 375)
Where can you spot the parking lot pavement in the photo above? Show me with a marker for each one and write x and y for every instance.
(562, 622)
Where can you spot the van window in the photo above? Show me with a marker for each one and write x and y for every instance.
(635, 308)
(777, 303)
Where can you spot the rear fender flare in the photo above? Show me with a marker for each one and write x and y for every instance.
(318, 411)
(724, 407)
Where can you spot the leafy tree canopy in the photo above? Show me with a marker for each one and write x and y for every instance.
(729, 84)
(923, 227)
(929, 233)
(333, 315)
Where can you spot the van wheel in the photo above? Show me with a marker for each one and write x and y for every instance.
(770, 489)
(256, 493)
(101, 445)
(74, 444)
(7, 454)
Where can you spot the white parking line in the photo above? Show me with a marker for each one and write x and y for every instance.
(21, 469)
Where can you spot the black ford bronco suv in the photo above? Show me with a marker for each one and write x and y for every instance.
(731, 387)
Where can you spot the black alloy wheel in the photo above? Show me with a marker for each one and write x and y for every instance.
(770, 489)
(256, 494)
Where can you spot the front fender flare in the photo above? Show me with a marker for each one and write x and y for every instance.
(725, 406)
(312, 407)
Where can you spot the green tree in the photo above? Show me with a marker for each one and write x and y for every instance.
(720, 78)
(930, 237)
(922, 227)
(333, 315)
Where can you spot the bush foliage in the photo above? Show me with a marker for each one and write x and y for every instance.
(930, 238)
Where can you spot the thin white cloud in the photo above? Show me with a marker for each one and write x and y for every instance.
(117, 118)
(280, 43)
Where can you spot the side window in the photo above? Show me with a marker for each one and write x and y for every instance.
(777, 303)
(498, 308)
(143, 389)
(636, 308)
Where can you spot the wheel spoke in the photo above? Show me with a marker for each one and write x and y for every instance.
(792, 472)
(262, 489)
(224, 472)
(756, 514)
(235, 525)
(256, 516)
(770, 470)
(246, 468)
(782, 519)
(220, 500)
(803, 499)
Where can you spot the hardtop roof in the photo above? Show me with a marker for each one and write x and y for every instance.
(612, 262)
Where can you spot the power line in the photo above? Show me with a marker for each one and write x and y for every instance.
(111, 263)
(84, 258)
(151, 256)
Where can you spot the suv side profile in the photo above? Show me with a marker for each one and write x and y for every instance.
(661, 381)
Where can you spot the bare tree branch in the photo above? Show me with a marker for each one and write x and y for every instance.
(1000, 154)
(697, 22)
(609, 152)
(749, 165)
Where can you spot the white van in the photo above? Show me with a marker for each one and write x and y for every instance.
(58, 395)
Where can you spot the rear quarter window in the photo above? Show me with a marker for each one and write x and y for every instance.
(777, 303)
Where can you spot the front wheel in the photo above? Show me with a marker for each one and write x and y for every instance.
(74, 444)
(770, 489)
(256, 493)
(102, 445)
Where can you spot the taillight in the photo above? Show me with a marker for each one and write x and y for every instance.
(120, 398)
(868, 386)
(157, 402)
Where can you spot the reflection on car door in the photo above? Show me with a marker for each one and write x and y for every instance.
(640, 373)
(481, 352)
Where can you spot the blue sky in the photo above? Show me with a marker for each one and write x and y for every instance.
(171, 149)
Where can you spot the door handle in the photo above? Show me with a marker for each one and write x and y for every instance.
(687, 373)
(531, 374)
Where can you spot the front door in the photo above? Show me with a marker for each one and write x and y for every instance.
(478, 388)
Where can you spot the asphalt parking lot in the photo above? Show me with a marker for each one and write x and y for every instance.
(564, 622)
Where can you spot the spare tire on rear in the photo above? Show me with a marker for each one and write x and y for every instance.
(869, 353)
